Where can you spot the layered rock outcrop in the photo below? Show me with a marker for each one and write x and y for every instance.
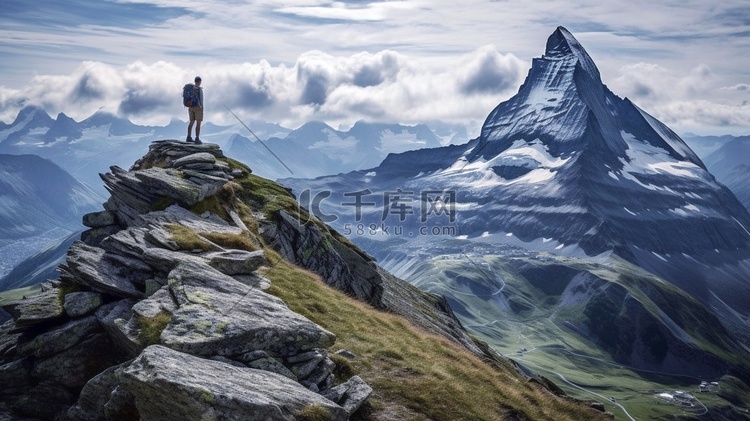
(160, 311)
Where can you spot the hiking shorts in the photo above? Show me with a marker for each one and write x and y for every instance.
(195, 113)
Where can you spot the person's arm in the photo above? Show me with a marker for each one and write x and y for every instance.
(201, 92)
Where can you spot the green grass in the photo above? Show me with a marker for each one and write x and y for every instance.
(186, 238)
(151, 328)
(19, 293)
(315, 413)
(416, 375)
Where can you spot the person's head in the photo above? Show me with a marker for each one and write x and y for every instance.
(197, 80)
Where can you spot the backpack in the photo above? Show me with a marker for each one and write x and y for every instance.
(190, 95)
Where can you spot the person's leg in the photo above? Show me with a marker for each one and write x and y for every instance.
(191, 118)
(198, 120)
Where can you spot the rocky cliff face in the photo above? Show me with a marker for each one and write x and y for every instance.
(160, 311)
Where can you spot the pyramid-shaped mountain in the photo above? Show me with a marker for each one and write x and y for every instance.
(567, 166)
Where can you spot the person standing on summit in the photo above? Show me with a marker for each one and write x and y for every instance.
(193, 99)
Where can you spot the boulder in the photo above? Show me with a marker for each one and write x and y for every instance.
(170, 385)
(89, 267)
(73, 367)
(237, 262)
(195, 158)
(43, 307)
(43, 401)
(95, 396)
(100, 219)
(15, 377)
(60, 338)
(219, 316)
(114, 318)
(350, 395)
(77, 304)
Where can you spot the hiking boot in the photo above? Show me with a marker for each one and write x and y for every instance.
(189, 139)
(198, 141)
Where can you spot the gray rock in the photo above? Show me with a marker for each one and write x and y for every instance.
(220, 316)
(251, 356)
(89, 267)
(199, 167)
(94, 396)
(254, 281)
(43, 400)
(8, 340)
(77, 304)
(226, 360)
(160, 182)
(95, 236)
(115, 319)
(169, 385)
(121, 406)
(15, 377)
(160, 237)
(73, 367)
(212, 181)
(304, 369)
(130, 242)
(160, 302)
(346, 354)
(309, 247)
(60, 338)
(43, 307)
(100, 219)
(195, 158)
(237, 262)
(273, 365)
(350, 395)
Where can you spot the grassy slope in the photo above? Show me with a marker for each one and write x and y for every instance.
(416, 375)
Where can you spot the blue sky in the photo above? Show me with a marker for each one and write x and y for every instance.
(686, 62)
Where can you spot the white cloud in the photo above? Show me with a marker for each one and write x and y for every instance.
(685, 99)
(384, 86)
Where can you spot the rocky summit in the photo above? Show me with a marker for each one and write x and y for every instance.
(161, 310)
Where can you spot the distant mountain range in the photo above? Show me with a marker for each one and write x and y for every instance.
(87, 148)
(316, 149)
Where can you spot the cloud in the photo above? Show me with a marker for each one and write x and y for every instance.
(368, 11)
(381, 86)
(488, 71)
(685, 99)
(738, 87)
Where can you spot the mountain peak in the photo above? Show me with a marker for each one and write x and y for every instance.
(562, 44)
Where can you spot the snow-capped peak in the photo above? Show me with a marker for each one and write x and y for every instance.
(562, 44)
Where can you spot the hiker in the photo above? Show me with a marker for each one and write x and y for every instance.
(195, 111)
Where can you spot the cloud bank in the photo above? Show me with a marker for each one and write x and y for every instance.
(383, 86)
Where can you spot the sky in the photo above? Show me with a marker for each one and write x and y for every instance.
(686, 62)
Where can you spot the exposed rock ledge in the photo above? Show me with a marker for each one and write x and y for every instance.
(138, 327)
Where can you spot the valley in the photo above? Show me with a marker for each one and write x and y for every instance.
(533, 325)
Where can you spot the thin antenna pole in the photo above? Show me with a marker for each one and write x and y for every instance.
(261, 142)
